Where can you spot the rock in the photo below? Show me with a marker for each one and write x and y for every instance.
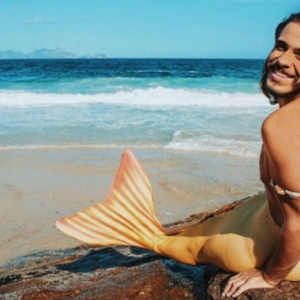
(100, 273)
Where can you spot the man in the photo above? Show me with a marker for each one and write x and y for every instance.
(260, 238)
(280, 159)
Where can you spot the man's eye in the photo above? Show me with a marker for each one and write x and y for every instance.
(280, 46)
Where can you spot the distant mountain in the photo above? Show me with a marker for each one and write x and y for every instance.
(44, 54)
(11, 54)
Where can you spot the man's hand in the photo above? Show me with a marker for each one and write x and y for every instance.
(245, 280)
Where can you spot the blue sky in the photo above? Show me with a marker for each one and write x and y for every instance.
(144, 28)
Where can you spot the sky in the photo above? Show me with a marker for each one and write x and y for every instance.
(144, 28)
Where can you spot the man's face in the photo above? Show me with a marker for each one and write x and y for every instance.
(283, 64)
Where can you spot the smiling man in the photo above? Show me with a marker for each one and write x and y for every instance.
(259, 239)
(281, 71)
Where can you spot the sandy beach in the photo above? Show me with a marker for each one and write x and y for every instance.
(38, 186)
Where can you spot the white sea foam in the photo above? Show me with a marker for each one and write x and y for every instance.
(213, 144)
(140, 118)
(158, 96)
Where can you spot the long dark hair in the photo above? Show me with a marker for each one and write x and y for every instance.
(292, 18)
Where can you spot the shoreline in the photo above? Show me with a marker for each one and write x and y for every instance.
(39, 186)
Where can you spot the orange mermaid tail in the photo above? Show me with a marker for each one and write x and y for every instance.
(125, 217)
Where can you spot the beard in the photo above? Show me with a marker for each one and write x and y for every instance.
(289, 96)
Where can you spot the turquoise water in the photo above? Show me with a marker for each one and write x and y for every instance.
(184, 105)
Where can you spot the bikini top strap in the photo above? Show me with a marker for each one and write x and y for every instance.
(280, 191)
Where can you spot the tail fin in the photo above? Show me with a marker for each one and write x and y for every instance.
(125, 217)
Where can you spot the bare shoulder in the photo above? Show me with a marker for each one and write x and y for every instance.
(285, 113)
(283, 124)
(281, 138)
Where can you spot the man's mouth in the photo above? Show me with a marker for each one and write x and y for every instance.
(283, 74)
(280, 74)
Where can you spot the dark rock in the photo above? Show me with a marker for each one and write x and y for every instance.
(100, 273)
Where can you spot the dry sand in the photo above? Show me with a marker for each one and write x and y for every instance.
(39, 186)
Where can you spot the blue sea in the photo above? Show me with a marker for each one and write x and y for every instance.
(204, 105)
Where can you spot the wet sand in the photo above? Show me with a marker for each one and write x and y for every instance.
(39, 186)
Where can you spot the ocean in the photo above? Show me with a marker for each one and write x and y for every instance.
(190, 105)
